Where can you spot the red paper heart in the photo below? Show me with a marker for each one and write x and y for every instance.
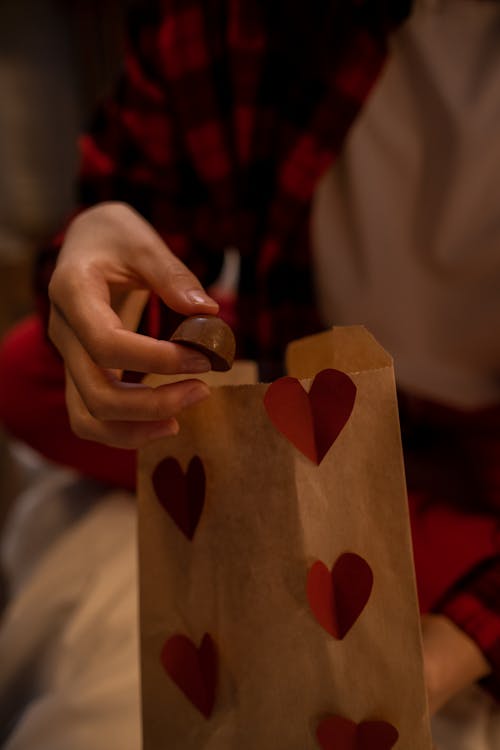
(337, 598)
(193, 670)
(337, 733)
(182, 495)
(311, 421)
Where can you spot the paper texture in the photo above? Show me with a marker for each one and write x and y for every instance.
(263, 625)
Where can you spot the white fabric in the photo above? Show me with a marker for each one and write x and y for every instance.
(406, 225)
(471, 721)
(69, 662)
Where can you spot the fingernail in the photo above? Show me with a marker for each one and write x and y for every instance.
(195, 363)
(198, 297)
(195, 394)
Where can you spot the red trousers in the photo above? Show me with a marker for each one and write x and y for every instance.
(452, 464)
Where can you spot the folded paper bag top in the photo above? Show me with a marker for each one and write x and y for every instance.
(347, 348)
(278, 602)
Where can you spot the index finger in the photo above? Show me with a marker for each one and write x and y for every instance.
(81, 294)
(112, 346)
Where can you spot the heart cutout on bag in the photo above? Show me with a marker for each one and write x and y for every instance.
(181, 495)
(338, 597)
(193, 670)
(337, 733)
(311, 421)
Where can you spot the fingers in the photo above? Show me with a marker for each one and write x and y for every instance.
(452, 660)
(120, 434)
(110, 262)
(83, 298)
(95, 293)
(117, 244)
(165, 274)
(171, 280)
(157, 409)
(111, 346)
(103, 408)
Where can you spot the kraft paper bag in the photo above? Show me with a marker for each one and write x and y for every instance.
(277, 595)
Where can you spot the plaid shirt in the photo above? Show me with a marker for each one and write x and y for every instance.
(226, 116)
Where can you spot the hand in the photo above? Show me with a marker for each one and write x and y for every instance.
(110, 261)
(452, 661)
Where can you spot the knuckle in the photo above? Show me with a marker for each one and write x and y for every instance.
(175, 270)
(62, 283)
(100, 350)
(97, 405)
(167, 357)
(115, 209)
(54, 289)
(178, 274)
(147, 407)
(170, 399)
(53, 328)
(81, 426)
(158, 409)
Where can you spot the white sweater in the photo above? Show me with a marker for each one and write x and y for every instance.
(406, 225)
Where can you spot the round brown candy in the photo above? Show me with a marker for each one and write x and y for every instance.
(209, 335)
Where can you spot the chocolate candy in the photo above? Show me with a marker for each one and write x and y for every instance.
(209, 335)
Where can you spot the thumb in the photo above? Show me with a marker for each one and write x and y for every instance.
(178, 287)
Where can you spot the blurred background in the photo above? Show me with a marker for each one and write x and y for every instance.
(57, 59)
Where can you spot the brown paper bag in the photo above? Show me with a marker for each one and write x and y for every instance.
(277, 594)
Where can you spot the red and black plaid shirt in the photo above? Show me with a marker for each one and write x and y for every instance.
(227, 114)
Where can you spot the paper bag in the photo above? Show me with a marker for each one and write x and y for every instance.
(277, 595)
